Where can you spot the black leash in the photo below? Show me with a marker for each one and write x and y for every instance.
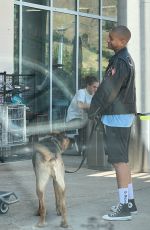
(55, 141)
(82, 161)
(94, 126)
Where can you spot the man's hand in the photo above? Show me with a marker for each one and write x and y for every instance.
(93, 116)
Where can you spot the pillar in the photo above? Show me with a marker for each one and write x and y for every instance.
(7, 35)
(135, 15)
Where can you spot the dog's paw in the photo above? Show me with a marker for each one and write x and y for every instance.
(41, 225)
(37, 213)
(64, 224)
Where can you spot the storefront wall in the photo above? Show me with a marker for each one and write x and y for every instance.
(135, 14)
(7, 35)
(62, 42)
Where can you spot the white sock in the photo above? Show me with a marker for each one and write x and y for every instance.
(130, 191)
(123, 195)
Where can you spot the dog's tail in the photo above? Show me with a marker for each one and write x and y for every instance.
(44, 151)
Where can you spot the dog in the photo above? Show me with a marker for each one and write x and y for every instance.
(47, 162)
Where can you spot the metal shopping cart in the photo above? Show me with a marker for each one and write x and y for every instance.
(7, 198)
(12, 127)
(12, 133)
(13, 124)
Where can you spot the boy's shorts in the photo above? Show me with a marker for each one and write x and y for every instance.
(117, 143)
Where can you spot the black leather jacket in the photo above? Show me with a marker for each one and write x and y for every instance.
(116, 93)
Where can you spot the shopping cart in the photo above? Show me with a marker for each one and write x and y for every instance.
(7, 198)
(12, 127)
(12, 133)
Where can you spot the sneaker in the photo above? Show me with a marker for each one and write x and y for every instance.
(131, 205)
(121, 213)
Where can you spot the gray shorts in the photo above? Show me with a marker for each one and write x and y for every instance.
(117, 143)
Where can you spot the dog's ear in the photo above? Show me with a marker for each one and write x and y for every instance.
(65, 143)
(64, 140)
(60, 136)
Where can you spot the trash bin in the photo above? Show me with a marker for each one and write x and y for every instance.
(96, 158)
(139, 147)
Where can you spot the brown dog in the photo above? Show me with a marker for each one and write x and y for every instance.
(47, 161)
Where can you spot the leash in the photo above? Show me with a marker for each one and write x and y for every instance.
(55, 141)
(80, 165)
(94, 126)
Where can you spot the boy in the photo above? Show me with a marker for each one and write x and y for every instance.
(79, 106)
(115, 102)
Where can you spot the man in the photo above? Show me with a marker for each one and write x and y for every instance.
(82, 99)
(115, 102)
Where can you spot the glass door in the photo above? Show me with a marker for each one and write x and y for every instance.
(36, 58)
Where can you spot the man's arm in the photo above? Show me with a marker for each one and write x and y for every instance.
(82, 105)
(109, 89)
(81, 100)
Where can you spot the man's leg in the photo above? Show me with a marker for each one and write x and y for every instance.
(123, 174)
(122, 177)
(117, 140)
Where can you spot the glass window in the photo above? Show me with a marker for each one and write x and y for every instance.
(16, 39)
(64, 43)
(106, 53)
(35, 57)
(68, 4)
(109, 8)
(88, 48)
(40, 2)
(89, 6)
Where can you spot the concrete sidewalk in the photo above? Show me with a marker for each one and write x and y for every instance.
(90, 193)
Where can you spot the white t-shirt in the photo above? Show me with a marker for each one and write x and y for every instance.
(74, 111)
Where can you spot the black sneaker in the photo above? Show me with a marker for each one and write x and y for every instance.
(131, 205)
(121, 213)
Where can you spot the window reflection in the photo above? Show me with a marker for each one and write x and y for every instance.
(40, 2)
(106, 53)
(35, 56)
(36, 50)
(63, 63)
(88, 48)
(89, 6)
(109, 8)
(68, 4)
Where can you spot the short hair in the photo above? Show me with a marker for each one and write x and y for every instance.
(122, 31)
(90, 80)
